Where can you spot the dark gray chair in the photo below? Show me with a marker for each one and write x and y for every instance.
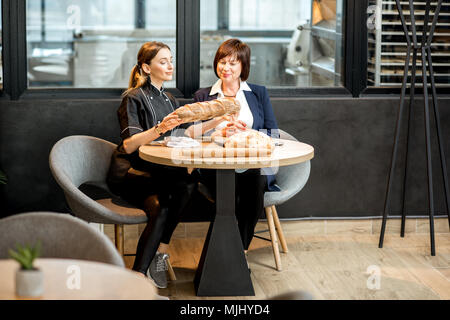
(61, 236)
(78, 161)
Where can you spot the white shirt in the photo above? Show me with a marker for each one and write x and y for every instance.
(245, 114)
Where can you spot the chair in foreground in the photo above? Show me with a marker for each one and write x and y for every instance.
(293, 295)
(61, 236)
(291, 180)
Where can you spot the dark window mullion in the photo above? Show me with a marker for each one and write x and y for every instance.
(139, 14)
(223, 15)
(188, 46)
(43, 31)
(362, 39)
(14, 47)
(356, 46)
(348, 62)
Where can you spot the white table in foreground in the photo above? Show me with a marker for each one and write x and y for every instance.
(97, 281)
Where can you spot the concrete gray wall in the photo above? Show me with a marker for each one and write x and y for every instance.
(352, 138)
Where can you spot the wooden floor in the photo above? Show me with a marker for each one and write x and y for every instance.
(343, 265)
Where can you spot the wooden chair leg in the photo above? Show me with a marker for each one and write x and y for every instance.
(279, 230)
(119, 238)
(172, 276)
(274, 238)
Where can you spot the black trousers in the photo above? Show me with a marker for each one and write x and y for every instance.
(163, 196)
(249, 199)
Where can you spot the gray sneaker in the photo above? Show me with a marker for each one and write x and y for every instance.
(157, 270)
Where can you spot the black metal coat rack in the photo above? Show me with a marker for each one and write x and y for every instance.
(425, 49)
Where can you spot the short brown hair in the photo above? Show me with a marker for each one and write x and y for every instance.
(234, 47)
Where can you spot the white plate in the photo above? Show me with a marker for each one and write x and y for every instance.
(180, 142)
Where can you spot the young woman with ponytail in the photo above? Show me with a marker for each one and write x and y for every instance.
(163, 192)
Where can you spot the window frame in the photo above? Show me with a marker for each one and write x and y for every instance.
(15, 84)
(14, 45)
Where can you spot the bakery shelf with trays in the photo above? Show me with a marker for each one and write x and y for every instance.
(387, 44)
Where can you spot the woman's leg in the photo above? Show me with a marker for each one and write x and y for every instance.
(144, 192)
(250, 187)
(181, 194)
(151, 236)
(208, 178)
(140, 191)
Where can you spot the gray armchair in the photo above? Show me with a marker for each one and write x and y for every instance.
(291, 180)
(61, 236)
(83, 160)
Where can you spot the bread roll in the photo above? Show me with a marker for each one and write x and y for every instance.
(250, 139)
(208, 109)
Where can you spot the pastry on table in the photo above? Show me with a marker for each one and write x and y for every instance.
(249, 139)
(244, 143)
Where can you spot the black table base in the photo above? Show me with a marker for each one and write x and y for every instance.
(223, 270)
(425, 50)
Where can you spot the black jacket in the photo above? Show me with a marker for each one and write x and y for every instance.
(140, 110)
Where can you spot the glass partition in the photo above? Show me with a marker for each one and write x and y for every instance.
(294, 43)
(93, 43)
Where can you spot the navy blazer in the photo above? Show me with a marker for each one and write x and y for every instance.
(263, 117)
(259, 103)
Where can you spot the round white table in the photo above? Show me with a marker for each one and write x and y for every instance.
(66, 279)
(208, 156)
(222, 270)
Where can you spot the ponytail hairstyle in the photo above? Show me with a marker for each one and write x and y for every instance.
(148, 51)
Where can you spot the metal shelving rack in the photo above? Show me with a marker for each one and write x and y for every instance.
(387, 45)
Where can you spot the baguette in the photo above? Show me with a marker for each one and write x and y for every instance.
(208, 109)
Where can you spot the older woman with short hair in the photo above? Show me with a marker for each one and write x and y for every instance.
(232, 67)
